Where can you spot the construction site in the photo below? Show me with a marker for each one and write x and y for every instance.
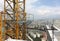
(16, 26)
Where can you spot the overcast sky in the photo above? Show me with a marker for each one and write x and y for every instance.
(41, 8)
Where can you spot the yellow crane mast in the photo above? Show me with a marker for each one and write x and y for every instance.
(0, 27)
(14, 15)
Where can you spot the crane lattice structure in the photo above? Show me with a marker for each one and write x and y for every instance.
(15, 19)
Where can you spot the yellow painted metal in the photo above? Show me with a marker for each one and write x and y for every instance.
(17, 11)
(23, 32)
(0, 27)
(4, 20)
(24, 25)
(17, 27)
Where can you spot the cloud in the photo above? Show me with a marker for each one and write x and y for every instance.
(1, 5)
(45, 10)
(29, 7)
(41, 10)
(38, 11)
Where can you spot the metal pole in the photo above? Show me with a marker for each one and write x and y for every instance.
(0, 27)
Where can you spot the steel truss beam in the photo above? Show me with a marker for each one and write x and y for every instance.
(15, 10)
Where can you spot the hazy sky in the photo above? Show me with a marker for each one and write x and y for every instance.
(41, 8)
